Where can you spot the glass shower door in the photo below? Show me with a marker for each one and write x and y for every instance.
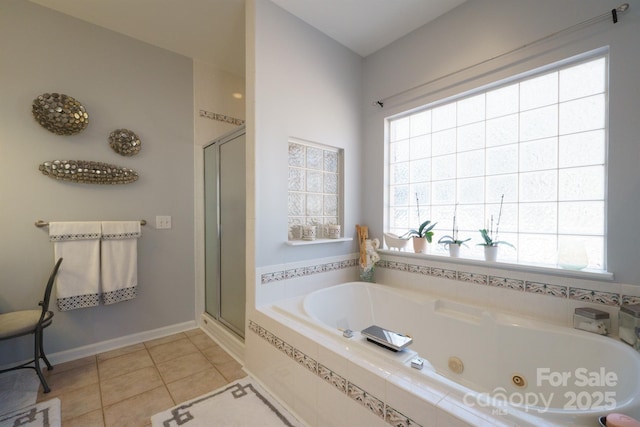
(224, 173)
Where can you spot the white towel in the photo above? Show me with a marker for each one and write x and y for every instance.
(119, 260)
(78, 280)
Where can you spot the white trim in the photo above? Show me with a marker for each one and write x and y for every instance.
(598, 54)
(199, 243)
(318, 145)
(229, 342)
(101, 347)
(317, 241)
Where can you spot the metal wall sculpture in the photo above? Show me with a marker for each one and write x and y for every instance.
(88, 172)
(60, 114)
(125, 142)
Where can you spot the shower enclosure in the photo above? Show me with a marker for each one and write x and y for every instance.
(224, 198)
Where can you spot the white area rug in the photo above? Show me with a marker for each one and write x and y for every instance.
(43, 414)
(240, 404)
(18, 389)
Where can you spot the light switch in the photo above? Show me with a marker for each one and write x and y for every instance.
(163, 222)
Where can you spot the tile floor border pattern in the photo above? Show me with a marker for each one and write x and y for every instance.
(552, 290)
(378, 407)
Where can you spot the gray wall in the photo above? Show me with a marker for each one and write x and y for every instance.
(124, 84)
(481, 29)
(307, 86)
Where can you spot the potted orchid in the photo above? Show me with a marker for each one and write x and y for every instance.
(423, 234)
(491, 241)
(452, 242)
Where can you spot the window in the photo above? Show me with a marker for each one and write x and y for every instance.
(314, 187)
(539, 140)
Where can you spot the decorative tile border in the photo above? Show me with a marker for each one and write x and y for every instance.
(478, 279)
(552, 290)
(504, 282)
(397, 419)
(342, 384)
(628, 299)
(601, 297)
(444, 273)
(367, 400)
(548, 289)
(276, 276)
(332, 378)
(221, 118)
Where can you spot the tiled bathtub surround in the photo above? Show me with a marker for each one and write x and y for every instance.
(319, 385)
(278, 282)
(343, 385)
(589, 291)
(333, 384)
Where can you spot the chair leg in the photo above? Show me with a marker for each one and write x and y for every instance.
(42, 355)
(37, 352)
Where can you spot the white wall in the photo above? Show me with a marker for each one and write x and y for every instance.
(300, 84)
(307, 86)
(291, 97)
(122, 83)
(482, 29)
(213, 91)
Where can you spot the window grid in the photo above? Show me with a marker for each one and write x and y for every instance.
(465, 153)
(314, 189)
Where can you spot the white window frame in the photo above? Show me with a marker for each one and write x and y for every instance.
(444, 222)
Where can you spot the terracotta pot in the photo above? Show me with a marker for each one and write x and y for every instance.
(420, 245)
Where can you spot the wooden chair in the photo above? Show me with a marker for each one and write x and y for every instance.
(24, 322)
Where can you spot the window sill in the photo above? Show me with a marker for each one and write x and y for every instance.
(317, 241)
(530, 268)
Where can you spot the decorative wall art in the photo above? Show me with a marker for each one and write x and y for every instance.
(60, 114)
(88, 172)
(125, 142)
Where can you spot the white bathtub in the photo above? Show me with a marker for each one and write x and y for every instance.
(570, 377)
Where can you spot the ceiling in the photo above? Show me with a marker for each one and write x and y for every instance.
(365, 26)
(212, 31)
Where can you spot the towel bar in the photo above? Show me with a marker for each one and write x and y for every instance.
(40, 223)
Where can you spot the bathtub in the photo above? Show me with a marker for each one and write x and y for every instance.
(518, 370)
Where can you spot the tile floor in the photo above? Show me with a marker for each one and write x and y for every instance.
(126, 386)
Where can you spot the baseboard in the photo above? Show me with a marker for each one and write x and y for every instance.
(230, 342)
(101, 347)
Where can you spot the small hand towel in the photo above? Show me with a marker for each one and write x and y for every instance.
(119, 260)
(78, 280)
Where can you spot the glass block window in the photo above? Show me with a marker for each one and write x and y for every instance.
(314, 187)
(538, 141)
